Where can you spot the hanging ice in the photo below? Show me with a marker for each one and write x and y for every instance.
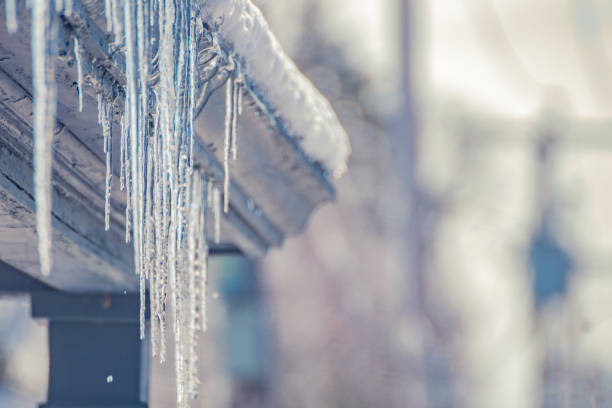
(229, 120)
(235, 112)
(169, 202)
(166, 209)
(216, 208)
(105, 119)
(79, 64)
(44, 37)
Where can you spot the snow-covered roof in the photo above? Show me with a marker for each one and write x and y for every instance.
(289, 137)
(308, 116)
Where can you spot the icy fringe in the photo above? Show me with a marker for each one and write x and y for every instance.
(44, 50)
(169, 200)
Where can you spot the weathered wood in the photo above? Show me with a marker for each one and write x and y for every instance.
(96, 358)
(274, 185)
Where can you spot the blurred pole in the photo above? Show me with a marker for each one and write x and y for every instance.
(404, 132)
(407, 131)
(435, 375)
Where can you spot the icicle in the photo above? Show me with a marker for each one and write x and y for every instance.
(100, 108)
(79, 63)
(108, 15)
(128, 181)
(12, 22)
(234, 135)
(154, 310)
(203, 258)
(217, 215)
(142, 305)
(59, 5)
(44, 35)
(193, 73)
(122, 154)
(241, 83)
(229, 118)
(67, 7)
(105, 118)
(117, 26)
(132, 109)
(109, 181)
(192, 274)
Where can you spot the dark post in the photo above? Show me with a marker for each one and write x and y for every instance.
(96, 358)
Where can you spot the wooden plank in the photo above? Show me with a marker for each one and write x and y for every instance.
(274, 185)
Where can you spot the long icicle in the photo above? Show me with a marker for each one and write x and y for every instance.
(229, 119)
(235, 111)
(132, 107)
(79, 64)
(203, 257)
(216, 202)
(44, 38)
(122, 153)
(106, 119)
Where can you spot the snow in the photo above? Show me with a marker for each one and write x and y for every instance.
(307, 114)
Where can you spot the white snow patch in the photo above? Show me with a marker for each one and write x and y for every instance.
(308, 115)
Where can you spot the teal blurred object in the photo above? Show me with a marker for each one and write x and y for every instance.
(245, 334)
(550, 265)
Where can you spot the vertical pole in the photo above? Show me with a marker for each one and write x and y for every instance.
(245, 338)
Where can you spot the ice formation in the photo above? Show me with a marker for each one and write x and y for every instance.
(79, 64)
(44, 49)
(176, 54)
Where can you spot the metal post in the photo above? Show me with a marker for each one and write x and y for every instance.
(96, 359)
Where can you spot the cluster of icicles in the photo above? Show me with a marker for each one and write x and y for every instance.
(172, 66)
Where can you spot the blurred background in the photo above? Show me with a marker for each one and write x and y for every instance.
(466, 261)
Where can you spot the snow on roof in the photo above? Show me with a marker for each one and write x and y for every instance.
(308, 115)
